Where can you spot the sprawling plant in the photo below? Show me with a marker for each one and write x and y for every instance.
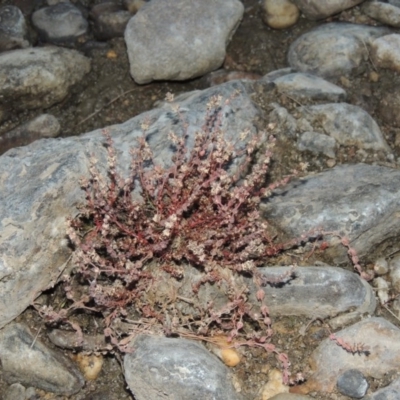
(144, 263)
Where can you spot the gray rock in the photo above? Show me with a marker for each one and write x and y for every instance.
(180, 39)
(306, 86)
(318, 9)
(175, 369)
(39, 77)
(317, 143)
(273, 75)
(379, 338)
(359, 201)
(26, 360)
(133, 6)
(385, 52)
(352, 383)
(383, 12)
(13, 29)
(43, 126)
(110, 20)
(390, 392)
(317, 291)
(15, 392)
(285, 122)
(349, 125)
(39, 188)
(333, 49)
(61, 23)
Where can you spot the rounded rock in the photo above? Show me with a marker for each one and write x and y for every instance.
(62, 23)
(385, 52)
(13, 29)
(109, 20)
(180, 39)
(280, 14)
(352, 383)
(318, 9)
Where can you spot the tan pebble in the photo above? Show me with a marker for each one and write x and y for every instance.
(274, 385)
(134, 6)
(221, 348)
(90, 365)
(280, 14)
(374, 76)
(111, 54)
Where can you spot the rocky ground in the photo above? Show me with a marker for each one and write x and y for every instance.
(344, 127)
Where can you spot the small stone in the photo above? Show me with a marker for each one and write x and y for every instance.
(333, 50)
(379, 338)
(352, 383)
(13, 29)
(62, 23)
(111, 54)
(133, 6)
(390, 392)
(26, 360)
(274, 385)
(317, 143)
(224, 350)
(280, 14)
(180, 39)
(15, 392)
(303, 86)
(318, 9)
(177, 368)
(374, 76)
(383, 12)
(381, 266)
(385, 52)
(109, 20)
(90, 365)
(43, 126)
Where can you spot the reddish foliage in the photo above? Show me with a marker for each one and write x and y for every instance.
(193, 211)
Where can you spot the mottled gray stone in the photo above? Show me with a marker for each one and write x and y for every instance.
(62, 23)
(317, 291)
(361, 202)
(380, 339)
(39, 188)
(306, 86)
(385, 52)
(318, 9)
(15, 392)
(13, 29)
(39, 77)
(285, 122)
(176, 369)
(42, 126)
(180, 39)
(349, 125)
(390, 392)
(26, 360)
(317, 143)
(352, 383)
(383, 12)
(273, 75)
(110, 20)
(334, 49)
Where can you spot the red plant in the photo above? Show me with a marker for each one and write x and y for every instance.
(132, 256)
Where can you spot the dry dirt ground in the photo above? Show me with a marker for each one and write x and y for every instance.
(108, 96)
